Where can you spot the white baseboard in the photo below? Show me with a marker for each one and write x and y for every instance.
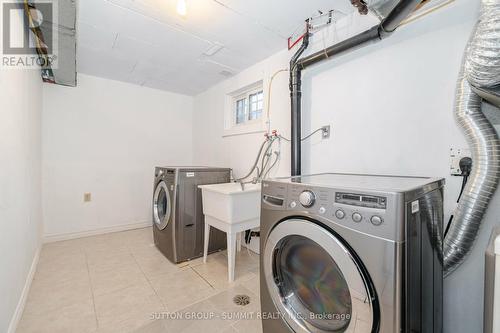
(24, 295)
(72, 235)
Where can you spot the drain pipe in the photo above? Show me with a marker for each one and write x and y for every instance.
(383, 30)
(296, 97)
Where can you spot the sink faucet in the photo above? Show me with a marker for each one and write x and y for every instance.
(242, 183)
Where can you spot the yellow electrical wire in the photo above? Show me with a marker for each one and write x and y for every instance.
(425, 12)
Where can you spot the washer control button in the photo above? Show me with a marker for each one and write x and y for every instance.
(356, 217)
(376, 220)
(307, 198)
(322, 210)
(293, 204)
(339, 214)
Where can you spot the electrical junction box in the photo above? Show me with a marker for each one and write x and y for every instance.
(325, 134)
(456, 154)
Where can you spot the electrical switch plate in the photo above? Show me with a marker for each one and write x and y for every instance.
(325, 134)
(87, 197)
(456, 154)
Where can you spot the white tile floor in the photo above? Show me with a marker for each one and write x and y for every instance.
(120, 282)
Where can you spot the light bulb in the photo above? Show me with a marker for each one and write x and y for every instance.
(181, 7)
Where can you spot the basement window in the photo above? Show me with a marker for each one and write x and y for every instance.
(245, 110)
(256, 102)
(240, 110)
(248, 106)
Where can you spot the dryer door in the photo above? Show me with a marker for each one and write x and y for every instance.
(161, 205)
(317, 282)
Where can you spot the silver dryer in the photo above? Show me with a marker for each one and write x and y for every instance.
(178, 220)
(352, 253)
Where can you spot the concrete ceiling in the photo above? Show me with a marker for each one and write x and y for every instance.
(146, 42)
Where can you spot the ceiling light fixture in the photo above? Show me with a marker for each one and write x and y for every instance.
(181, 7)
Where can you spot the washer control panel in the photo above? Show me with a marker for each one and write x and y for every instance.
(361, 200)
(307, 198)
(340, 214)
(367, 212)
(376, 220)
(357, 217)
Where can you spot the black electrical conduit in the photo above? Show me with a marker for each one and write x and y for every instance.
(297, 65)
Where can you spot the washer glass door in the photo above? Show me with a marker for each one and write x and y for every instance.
(315, 281)
(161, 205)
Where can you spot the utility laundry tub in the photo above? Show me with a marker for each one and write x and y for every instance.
(232, 208)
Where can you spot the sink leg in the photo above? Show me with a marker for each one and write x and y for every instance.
(231, 249)
(206, 240)
(238, 241)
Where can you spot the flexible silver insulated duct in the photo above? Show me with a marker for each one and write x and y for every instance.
(483, 59)
(481, 68)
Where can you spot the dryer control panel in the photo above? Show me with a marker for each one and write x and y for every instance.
(373, 213)
(362, 200)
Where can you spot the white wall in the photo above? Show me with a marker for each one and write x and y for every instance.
(391, 108)
(20, 183)
(106, 137)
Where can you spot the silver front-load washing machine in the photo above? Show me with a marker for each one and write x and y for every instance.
(352, 253)
(178, 220)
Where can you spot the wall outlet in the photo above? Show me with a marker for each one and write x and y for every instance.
(325, 134)
(456, 154)
(87, 197)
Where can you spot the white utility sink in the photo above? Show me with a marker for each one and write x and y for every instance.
(229, 203)
(233, 210)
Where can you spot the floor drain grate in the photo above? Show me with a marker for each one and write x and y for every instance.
(241, 300)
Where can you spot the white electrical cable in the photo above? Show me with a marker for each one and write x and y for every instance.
(268, 104)
(307, 136)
